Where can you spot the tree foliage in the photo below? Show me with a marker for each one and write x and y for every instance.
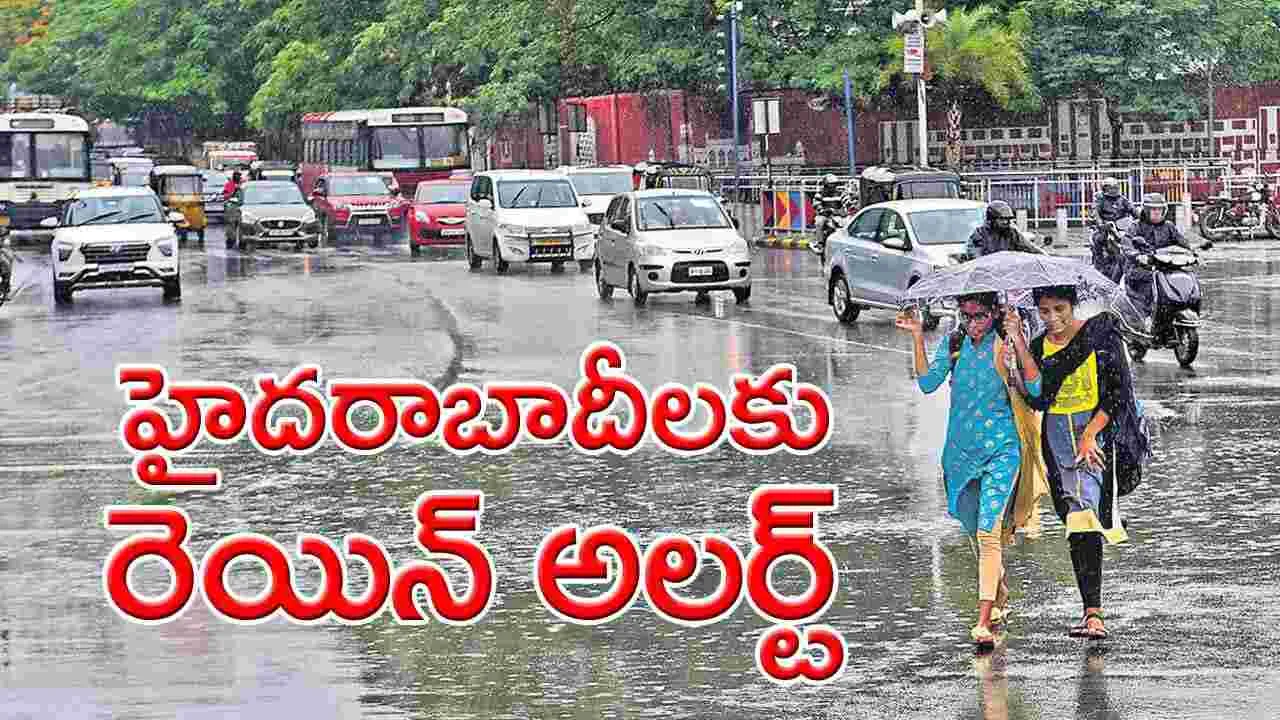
(223, 62)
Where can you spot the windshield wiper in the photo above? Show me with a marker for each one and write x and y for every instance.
(518, 194)
(670, 223)
(95, 218)
(537, 202)
(139, 216)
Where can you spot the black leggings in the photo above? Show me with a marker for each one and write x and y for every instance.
(1086, 558)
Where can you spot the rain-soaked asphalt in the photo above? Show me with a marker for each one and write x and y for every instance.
(1191, 601)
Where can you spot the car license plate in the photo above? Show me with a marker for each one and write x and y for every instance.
(280, 233)
(116, 267)
(699, 271)
(216, 207)
(550, 241)
(368, 221)
(453, 233)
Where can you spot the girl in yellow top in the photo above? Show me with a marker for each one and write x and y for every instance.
(1085, 385)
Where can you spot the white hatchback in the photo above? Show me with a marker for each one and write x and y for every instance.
(114, 237)
(527, 216)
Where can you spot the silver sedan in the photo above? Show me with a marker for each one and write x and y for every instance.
(671, 240)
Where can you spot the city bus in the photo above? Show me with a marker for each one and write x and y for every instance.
(44, 159)
(414, 144)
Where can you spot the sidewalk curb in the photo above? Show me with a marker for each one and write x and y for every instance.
(785, 243)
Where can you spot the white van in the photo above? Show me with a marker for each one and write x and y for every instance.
(527, 216)
(599, 185)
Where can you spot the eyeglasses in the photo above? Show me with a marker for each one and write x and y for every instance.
(966, 317)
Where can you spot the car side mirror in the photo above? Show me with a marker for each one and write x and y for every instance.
(175, 217)
(736, 222)
(49, 222)
(1048, 241)
(620, 226)
(896, 240)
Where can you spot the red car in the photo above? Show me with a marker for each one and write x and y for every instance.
(355, 203)
(438, 214)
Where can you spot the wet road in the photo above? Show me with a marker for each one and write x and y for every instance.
(1191, 601)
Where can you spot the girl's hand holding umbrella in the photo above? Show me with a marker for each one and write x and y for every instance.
(909, 321)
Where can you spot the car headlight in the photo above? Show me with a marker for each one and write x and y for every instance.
(64, 251)
(165, 247)
(422, 216)
(651, 250)
(513, 230)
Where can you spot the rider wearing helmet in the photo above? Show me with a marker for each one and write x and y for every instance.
(998, 234)
(829, 206)
(1151, 233)
(1109, 206)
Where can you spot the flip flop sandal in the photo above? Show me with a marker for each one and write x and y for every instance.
(1000, 615)
(982, 636)
(1082, 629)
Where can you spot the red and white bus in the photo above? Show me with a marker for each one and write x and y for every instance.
(414, 143)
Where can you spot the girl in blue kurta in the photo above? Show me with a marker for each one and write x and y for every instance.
(983, 455)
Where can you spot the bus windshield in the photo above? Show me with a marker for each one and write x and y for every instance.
(52, 156)
(401, 148)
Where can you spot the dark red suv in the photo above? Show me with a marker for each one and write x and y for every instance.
(351, 204)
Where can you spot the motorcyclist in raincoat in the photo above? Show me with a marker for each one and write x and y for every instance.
(997, 234)
(1110, 205)
(1150, 234)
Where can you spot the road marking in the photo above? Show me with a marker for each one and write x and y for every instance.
(812, 336)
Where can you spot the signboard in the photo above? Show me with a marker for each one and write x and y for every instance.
(766, 116)
(913, 52)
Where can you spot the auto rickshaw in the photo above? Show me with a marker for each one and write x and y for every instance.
(180, 188)
(650, 175)
(130, 171)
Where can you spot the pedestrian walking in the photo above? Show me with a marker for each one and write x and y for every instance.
(1092, 435)
(991, 463)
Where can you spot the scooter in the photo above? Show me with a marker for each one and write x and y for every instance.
(1175, 317)
(1110, 262)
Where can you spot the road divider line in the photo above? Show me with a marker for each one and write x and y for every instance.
(813, 336)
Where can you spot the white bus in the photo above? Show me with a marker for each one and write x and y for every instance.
(44, 159)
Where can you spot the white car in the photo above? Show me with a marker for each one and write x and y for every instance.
(527, 216)
(598, 186)
(114, 237)
(671, 240)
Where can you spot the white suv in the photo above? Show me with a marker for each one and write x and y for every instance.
(527, 216)
(114, 237)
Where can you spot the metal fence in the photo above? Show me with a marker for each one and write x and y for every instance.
(785, 201)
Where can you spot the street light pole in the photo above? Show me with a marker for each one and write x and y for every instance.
(921, 105)
(914, 24)
(733, 64)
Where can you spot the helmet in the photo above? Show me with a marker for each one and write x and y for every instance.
(1111, 187)
(999, 215)
(1153, 202)
(830, 179)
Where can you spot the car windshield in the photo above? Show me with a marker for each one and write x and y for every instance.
(180, 184)
(946, 227)
(135, 178)
(114, 210)
(276, 193)
(358, 185)
(596, 183)
(536, 194)
(215, 181)
(929, 189)
(438, 194)
(682, 212)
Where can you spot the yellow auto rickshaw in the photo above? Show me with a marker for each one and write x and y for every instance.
(180, 188)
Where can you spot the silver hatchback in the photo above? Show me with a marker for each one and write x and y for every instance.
(890, 246)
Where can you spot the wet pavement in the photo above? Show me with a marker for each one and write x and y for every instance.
(1191, 601)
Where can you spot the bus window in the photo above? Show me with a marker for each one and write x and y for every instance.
(347, 157)
(395, 148)
(61, 155)
(15, 154)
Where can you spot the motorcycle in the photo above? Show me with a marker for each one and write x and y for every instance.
(1175, 317)
(828, 220)
(1112, 242)
(7, 261)
(1244, 216)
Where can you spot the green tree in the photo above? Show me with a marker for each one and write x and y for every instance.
(976, 57)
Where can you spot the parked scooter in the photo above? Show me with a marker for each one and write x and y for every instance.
(1175, 316)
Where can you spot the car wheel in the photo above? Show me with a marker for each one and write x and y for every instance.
(200, 238)
(742, 294)
(414, 250)
(842, 301)
(499, 264)
(61, 293)
(557, 267)
(228, 232)
(473, 260)
(585, 265)
(297, 247)
(173, 289)
(313, 244)
(603, 288)
(1137, 352)
(638, 293)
